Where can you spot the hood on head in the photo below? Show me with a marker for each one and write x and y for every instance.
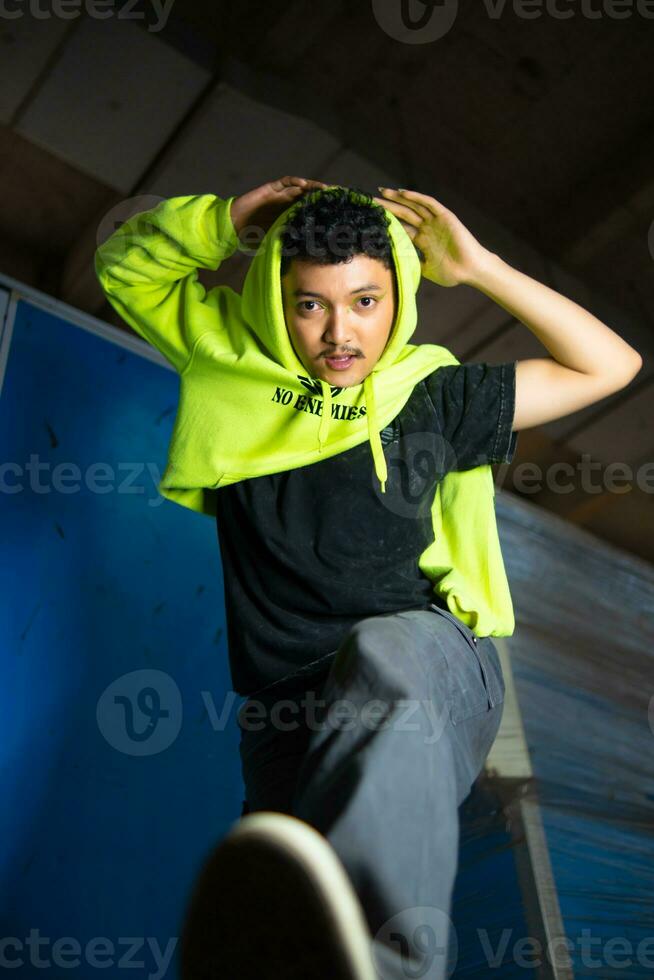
(262, 307)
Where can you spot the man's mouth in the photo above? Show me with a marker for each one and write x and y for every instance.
(340, 361)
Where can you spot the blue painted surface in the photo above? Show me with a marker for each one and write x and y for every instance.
(489, 929)
(112, 618)
(604, 873)
(582, 661)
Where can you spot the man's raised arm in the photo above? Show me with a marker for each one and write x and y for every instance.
(148, 270)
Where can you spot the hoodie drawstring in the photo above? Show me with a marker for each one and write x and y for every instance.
(373, 432)
(325, 418)
(373, 429)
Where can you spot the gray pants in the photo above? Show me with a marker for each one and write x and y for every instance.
(377, 754)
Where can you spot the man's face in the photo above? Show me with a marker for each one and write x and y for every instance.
(331, 310)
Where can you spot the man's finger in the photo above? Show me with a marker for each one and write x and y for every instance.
(401, 200)
(421, 200)
(404, 213)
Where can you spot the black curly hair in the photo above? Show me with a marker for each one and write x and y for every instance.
(333, 225)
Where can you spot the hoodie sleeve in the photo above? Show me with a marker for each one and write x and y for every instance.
(148, 270)
(475, 406)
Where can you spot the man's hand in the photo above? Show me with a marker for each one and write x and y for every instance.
(451, 254)
(261, 207)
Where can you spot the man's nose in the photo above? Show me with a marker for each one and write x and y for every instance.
(337, 330)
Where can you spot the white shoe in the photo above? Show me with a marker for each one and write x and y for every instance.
(274, 902)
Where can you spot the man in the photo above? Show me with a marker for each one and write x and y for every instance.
(348, 472)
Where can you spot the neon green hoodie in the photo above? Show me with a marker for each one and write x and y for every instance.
(235, 419)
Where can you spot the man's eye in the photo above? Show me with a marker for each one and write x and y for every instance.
(372, 298)
(306, 302)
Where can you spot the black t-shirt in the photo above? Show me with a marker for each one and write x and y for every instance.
(308, 552)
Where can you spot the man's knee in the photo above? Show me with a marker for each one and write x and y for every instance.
(383, 652)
